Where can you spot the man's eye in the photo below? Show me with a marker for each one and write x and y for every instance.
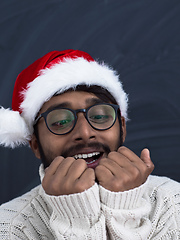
(61, 123)
(99, 118)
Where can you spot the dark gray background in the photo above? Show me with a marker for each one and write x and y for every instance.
(139, 38)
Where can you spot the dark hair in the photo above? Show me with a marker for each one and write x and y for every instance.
(100, 92)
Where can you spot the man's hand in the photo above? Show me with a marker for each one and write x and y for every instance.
(67, 176)
(124, 170)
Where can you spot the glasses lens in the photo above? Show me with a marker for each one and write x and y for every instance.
(60, 121)
(101, 116)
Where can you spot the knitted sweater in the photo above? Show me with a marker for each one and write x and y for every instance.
(151, 211)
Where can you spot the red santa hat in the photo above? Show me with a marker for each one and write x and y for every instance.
(52, 74)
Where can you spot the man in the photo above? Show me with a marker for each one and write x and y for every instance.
(73, 110)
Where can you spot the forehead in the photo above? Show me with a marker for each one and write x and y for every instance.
(72, 99)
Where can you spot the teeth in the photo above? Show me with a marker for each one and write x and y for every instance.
(84, 156)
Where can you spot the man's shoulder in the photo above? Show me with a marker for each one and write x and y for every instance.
(164, 187)
(28, 211)
(13, 208)
(161, 181)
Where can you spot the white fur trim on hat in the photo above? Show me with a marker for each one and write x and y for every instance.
(13, 129)
(69, 74)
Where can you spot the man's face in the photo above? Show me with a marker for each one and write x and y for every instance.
(83, 141)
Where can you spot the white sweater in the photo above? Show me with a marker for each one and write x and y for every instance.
(151, 211)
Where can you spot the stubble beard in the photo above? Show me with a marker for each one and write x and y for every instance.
(48, 157)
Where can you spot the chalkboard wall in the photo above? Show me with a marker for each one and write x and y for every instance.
(139, 38)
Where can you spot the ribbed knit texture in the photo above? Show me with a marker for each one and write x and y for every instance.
(151, 211)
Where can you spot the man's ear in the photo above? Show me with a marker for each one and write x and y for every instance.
(34, 146)
(123, 121)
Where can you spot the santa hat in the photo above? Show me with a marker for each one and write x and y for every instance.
(53, 74)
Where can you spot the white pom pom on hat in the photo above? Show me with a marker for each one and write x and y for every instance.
(55, 72)
(13, 129)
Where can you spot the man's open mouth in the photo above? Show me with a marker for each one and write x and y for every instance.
(92, 159)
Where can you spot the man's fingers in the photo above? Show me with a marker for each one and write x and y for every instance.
(76, 169)
(67, 176)
(114, 164)
(86, 180)
(51, 170)
(103, 174)
(145, 157)
(124, 170)
(130, 155)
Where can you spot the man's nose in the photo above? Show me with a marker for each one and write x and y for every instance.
(83, 132)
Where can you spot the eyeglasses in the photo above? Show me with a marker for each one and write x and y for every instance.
(61, 120)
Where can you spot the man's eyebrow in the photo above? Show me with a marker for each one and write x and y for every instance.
(59, 105)
(89, 101)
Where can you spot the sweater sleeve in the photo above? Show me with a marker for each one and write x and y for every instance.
(77, 216)
(126, 213)
(151, 211)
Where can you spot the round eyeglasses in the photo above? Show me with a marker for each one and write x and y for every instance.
(61, 120)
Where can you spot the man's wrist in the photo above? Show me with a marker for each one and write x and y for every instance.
(122, 200)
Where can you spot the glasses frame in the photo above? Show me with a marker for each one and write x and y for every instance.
(75, 112)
